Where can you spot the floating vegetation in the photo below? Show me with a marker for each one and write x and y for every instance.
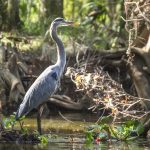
(129, 130)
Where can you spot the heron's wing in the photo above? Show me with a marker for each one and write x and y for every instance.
(43, 87)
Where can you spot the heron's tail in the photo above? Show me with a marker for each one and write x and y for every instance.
(17, 116)
(22, 111)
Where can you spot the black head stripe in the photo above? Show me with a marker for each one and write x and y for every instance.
(59, 19)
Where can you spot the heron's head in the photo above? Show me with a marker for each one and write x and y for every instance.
(61, 22)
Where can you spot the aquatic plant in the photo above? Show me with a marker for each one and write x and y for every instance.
(128, 130)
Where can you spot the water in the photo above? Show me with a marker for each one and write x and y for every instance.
(141, 144)
(65, 142)
(70, 136)
(64, 123)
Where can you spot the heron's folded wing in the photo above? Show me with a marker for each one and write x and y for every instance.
(43, 87)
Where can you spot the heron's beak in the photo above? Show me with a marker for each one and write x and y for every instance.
(76, 23)
(70, 23)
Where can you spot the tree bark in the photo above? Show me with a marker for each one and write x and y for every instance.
(139, 44)
(13, 14)
(51, 9)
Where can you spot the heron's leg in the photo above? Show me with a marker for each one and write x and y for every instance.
(39, 113)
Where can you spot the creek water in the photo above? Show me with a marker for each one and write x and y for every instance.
(141, 144)
(69, 135)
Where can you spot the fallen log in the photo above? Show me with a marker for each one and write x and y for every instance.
(65, 102)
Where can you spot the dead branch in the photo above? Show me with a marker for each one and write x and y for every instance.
(23, 67)
(107, 94)
(65, 102)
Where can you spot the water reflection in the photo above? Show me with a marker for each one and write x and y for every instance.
(50, 146)
(141, 144)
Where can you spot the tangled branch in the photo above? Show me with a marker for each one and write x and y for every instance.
(137, 15)
(106, 93)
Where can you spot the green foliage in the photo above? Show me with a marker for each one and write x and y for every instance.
(29, 14)
(22, 118)
(89, 137)
(25, 131)
(100, 21)
(43, 139)
(101, 26)
(126, 131)
(9, 122)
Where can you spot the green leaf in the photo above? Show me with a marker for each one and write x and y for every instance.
(22, 118)
(43, 139)
(140, 129)
(89, 137)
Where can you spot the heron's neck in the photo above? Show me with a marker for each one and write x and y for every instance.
(61, 55)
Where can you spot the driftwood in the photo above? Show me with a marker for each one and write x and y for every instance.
(66, 102)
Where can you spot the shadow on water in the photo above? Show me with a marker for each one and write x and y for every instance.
(70, 135)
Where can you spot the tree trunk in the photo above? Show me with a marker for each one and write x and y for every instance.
(56, 8)
(50, 9)
(13, 14)
(139, 51)
(3, 14)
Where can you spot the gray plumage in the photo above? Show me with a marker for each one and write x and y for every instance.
(46, 84)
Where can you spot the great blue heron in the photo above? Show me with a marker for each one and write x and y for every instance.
(46, 84)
